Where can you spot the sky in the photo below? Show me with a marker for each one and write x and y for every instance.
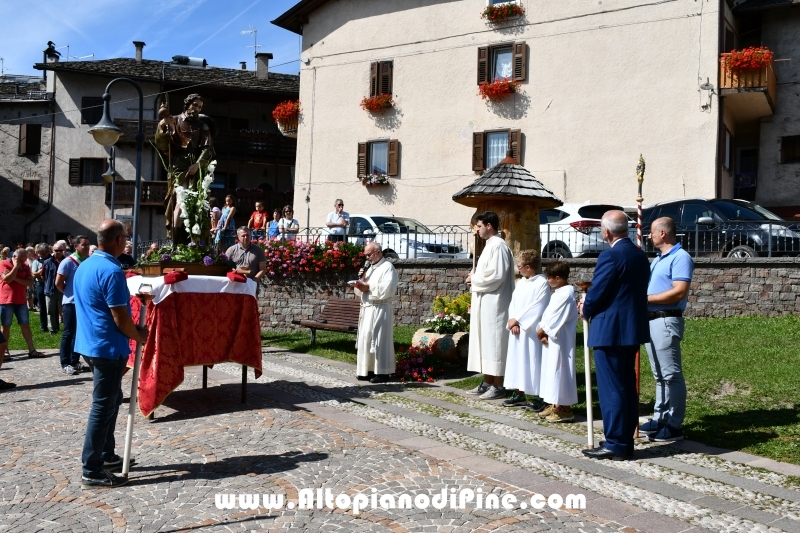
(208, 29)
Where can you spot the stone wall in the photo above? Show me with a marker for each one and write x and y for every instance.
(720, 288)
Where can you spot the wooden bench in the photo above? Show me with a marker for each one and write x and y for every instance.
(337, 315)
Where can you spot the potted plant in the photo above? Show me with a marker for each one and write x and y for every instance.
(498, 89)
(751, 58)
(501, 12)
(446, 333)
(286, 115)
(193, 258)
(375, 179)
(378, 103)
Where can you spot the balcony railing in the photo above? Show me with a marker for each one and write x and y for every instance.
(750, 94)
(256, 146)
(153, 193)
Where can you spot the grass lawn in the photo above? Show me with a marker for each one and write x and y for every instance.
(742, 376)
(42, 341)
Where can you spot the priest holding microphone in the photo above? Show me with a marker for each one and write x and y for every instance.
(377, 288)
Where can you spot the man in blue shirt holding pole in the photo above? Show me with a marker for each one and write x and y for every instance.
(667, 293)
(102, 305)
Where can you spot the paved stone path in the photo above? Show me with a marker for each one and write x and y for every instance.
(309, 424)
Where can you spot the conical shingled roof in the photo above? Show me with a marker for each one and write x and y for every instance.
(506, 181)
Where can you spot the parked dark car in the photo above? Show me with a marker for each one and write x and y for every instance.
(726, 228)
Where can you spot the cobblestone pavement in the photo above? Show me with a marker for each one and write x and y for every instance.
(309, 425)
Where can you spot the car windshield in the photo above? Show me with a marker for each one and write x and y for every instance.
(399, 225)
(740, 210)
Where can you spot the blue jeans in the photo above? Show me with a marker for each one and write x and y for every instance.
(41, 301)
(664, 350)
(98, 446)
(68, 356)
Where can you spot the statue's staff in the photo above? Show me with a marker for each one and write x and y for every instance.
(587, 369)
(640, 178)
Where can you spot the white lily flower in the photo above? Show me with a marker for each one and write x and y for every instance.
(196, 229)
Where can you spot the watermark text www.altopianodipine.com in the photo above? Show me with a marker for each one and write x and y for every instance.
(454, 499)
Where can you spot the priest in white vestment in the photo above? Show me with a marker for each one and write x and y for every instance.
(377, 288)
(524, 361)
(491, 284)
(557, 329)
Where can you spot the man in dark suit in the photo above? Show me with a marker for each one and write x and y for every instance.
(617, 306)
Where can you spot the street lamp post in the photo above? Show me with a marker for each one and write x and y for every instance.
(107, 133)
(110, 176)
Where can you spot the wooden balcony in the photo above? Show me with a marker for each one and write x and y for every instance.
(153, 193)
(255, 147)
(748, 94)
(130, 127)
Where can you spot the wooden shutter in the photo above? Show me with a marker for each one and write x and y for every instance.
(520, 61)
(74, 171)
(515, 144)
(373, 79)
(394, 153)
(23, 139)
(483, 64)
(477, 151)
(362, 159)
(387, 68)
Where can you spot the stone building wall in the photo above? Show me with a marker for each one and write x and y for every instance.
(720, 288)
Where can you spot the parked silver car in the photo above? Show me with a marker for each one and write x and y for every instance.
(573, 230)
(403, 237)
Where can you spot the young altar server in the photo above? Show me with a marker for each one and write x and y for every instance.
(559, 387)
(524, 361)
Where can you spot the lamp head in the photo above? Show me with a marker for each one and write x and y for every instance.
(110, 175)
(106, 132)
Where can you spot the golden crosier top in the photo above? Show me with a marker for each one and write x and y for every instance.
(640, 170)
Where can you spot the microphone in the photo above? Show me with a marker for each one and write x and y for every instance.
(367, 266)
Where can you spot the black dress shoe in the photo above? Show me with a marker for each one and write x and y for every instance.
(362, 378)
(605, 453)
(379, 378)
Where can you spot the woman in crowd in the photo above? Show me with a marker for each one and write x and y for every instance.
(226, 228)
(288, 226)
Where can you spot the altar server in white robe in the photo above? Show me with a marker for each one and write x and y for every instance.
(559, 387)
(377, 288)
(524, 361)
(491, 284)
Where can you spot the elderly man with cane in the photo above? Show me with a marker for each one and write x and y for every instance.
(102, 305)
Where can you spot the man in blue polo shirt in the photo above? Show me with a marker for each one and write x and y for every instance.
(667, 293)
(102, 305)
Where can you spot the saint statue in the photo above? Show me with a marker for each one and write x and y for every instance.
(186, 141)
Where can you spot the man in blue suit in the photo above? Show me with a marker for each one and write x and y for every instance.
(617, 306)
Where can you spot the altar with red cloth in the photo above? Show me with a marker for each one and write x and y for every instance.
(203, 320)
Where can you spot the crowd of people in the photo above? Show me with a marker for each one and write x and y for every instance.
(283, 225)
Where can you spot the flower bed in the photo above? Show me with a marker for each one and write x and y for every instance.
(373, 180)
(293, 258)
(502, 12)
(446, 323)
(751, 58)
(192, 256)
(417, 364)
(498, 89)
(377, 104)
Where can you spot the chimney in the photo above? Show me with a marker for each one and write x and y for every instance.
(139, 45)
(244, 64)
(50, 56)
(262, 65)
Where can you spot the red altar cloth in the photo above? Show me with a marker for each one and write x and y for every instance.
(192, 329)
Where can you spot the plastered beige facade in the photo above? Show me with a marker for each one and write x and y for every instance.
(606, 81)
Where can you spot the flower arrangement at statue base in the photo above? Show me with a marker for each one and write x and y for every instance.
(418, 364)
(374, 180)
(287, 259)
(501, 12)
(193, 258)
(446, 333)
(378, 103)
(498, 89)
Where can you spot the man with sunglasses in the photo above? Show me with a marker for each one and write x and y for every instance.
(337, 223)
(51, 294)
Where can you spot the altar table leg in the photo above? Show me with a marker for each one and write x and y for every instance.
(244, 384)
(205, 377)
(151, 416)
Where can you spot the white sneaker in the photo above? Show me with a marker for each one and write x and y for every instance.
(492, 393)
(68, 370)
(480, 389)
